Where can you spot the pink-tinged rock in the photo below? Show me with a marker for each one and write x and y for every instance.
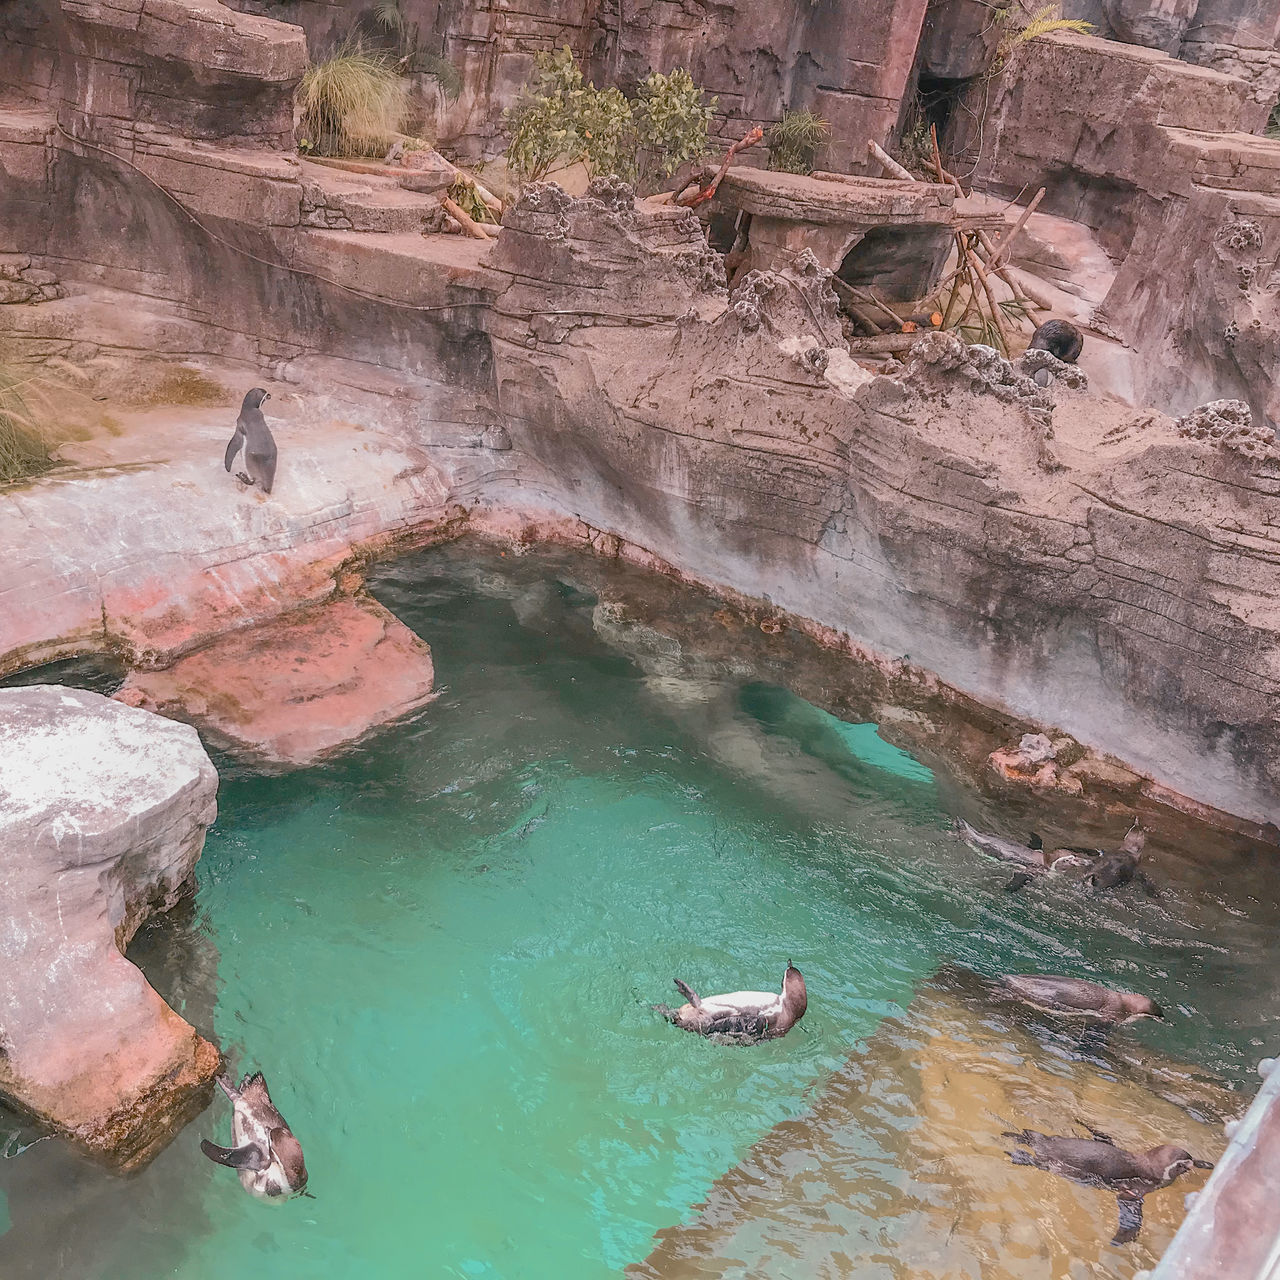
(103, 813)
(296, 689)
(1031, 763)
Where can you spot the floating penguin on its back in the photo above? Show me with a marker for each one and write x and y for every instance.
(1098, 1162)
(742, 1017)
(266, 1155)
(259, 445)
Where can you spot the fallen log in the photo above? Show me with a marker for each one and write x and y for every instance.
(888, 163)
(465, 220)
(883, 344)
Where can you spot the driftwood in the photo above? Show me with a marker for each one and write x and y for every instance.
(888, 163)
(693, 195)
(882, 344)
(465, 220)
(1006, 241)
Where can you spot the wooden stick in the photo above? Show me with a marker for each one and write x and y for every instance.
(888, 163)
(852, 299)
(754, 135)
(1006, 241)
(991, 301)
(987, 250)
(943, 176)
(866, 296)
(464, 220)
(883, 344)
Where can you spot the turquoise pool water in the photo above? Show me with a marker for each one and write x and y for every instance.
(442, 950)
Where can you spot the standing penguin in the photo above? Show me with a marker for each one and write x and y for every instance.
(266, 1155)
(1098, 1162)
(259, 446)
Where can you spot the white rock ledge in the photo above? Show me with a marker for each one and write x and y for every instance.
(103, 813)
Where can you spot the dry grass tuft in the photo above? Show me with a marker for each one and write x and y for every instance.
(352, 102)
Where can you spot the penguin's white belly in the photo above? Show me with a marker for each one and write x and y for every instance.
(269, 1183)
(761, 1002)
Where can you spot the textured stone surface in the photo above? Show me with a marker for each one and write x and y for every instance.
(759, 60)
(103, 811)
(297, 688)
(159, 556)
(1153, 154)
(1017, 540)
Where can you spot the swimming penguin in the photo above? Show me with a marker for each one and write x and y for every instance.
(1032, 858)
(267, 1155)
(1076, 998)
(744, 1017)
(1098, 1162)
(1115, 870)
(1060, 338)
(259, 445)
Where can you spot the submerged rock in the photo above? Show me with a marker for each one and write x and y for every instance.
(103, 813)
(293, 690)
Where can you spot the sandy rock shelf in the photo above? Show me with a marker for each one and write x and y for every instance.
(103, 814)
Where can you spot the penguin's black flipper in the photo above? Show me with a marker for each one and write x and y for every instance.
(233, 448)
(1034, 841)
(1145, 884)
(688, 992)
(1022, 878)
(1097, 1133)
(249, 1156)
(1130, 1221)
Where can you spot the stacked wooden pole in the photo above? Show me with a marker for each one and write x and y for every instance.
(970, 295)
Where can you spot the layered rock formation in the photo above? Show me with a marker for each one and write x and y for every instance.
(1023, 556)
(103, 812)
(1159, 158)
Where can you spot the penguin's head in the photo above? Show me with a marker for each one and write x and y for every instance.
(793, 990)
(1135, 839)
(288, 1151)
(255, 398)
(1137, 1006)
(1173, 1162)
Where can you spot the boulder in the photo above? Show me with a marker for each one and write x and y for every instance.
(103, 813)
(296, 689)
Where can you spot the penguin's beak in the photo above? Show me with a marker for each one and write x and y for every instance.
(1202, 1164)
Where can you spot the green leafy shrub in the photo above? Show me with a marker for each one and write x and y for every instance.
(352, 103)
(561, 118)
(671, 121)
(25, 448)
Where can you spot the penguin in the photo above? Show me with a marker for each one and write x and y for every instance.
(1060, 338)
(267, 1155)
(742, 1017)
(259, 446)
(1076, 998)
(1115, 870)
(1098, 1162)
(1031, 858)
